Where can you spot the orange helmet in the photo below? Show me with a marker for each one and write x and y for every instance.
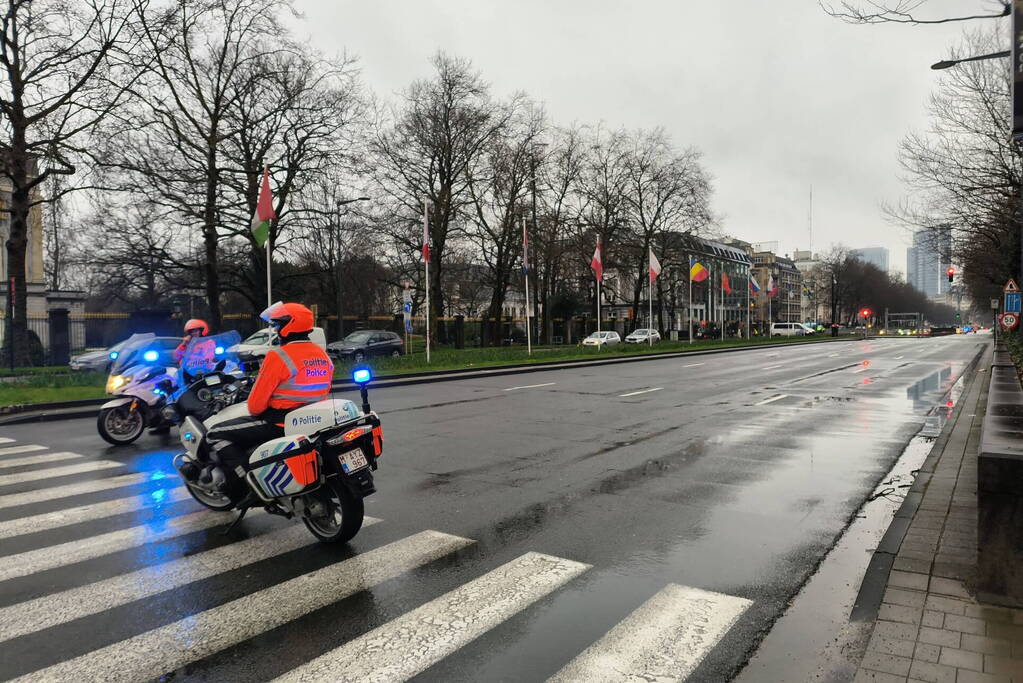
(289, 318)
(197, 324)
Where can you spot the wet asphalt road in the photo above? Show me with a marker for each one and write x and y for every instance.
(731, 473)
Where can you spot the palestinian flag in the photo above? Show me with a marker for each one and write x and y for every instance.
(264, 211)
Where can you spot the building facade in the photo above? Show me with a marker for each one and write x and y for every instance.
(876, 256)
(787, 304)
(927, 262)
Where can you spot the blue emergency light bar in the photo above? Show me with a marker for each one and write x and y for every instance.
(362, 376)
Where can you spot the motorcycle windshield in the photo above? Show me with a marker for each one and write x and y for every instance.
(203, 355)
(138, 349)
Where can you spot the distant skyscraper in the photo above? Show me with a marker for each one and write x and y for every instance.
(927, 260)
(877, 256)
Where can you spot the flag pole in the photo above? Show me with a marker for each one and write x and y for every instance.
(690, 321)
(650, 289)
(426, 264)
(722, 302)
(525, 273)
(749, 274)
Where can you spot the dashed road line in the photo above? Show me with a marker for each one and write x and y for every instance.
(532, 386)
(771, 400)
(637, 393)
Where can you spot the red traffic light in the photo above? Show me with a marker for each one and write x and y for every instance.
(865, 313)
(951, 270)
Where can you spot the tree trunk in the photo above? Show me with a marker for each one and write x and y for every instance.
(209, 232)
(17, 248)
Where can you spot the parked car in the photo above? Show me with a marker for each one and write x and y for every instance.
(366, 343)
(643, 336)
(256, 346)
(788, 330)
(810, 329)
(100, 360)
(602, 339)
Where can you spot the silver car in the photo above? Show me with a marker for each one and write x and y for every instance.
(643, 336)
(603, 339)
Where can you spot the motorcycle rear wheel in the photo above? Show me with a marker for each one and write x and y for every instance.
(344, 514)
(119, 426)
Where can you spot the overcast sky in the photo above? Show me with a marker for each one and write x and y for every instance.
(778, 95)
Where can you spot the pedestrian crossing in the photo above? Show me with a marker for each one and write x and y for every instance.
(664, 639)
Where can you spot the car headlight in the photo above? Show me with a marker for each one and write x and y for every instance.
(115, 382)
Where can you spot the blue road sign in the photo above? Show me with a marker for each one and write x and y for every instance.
(1012, 302)
(407, 307)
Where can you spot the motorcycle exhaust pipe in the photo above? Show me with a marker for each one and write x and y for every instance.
(187, 468)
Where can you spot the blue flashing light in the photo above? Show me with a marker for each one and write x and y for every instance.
(113, 355)
(150, 356)
(362, 376)
(219, 350)
(158, 391)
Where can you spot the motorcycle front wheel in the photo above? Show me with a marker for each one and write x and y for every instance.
(342, 513)
(120, 426)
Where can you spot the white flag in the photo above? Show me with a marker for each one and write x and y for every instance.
(655, 267)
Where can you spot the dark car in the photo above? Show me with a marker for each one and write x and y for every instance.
(365, 343)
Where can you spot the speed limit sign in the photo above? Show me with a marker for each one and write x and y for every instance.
(1009, 321)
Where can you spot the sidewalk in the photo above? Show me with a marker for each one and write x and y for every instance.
(929, 628)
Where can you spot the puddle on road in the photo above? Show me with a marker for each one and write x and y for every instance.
(814, 639)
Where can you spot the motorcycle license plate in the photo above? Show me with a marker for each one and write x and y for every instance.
(353, 460)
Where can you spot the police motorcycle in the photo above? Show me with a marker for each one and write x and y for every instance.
(319, 471)
(147, 384)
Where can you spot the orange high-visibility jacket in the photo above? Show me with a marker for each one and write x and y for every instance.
(292, 375)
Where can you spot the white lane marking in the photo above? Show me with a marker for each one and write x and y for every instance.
(75, 603)
(172, 646)
(38, 459)
(32, 561)
(12, 499)
(642, 391)
(771, 400)
(84, 513)
(410, 644)
(772, 367)
(692, 365)
(28, 448)
(899, 357)
(53, 472)
(863, 369)
(532, 386)
(663, 640)
(832, 355)
(4, 439)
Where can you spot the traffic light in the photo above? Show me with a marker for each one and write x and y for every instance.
(951, 273)
(865, 313)
(958, 317)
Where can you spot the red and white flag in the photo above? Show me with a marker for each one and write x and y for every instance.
(597, 263)
(426, 235)
(655, 267)
(772, 286)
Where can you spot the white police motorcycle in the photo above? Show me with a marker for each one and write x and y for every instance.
(147, 384)
(319, 471)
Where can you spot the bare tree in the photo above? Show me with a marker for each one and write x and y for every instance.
(63, 66)
(500, 202)
(427, 149)
(905, 12)
(668, 191)
(169, 148)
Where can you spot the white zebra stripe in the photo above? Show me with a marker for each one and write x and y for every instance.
(26, 448)
(54, 472)
(37, 459)
(32, 561)
(413, 642)
(78, 488)
(169, 647)
(84, 513)
(663, 640)
(4, 439)
(75, 603)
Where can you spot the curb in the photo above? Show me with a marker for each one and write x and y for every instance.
(875, 578)
(71, 410)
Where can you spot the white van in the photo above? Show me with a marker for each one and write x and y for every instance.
(263, 340)
(788, 330)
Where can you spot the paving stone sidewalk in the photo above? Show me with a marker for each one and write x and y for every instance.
(929, 627)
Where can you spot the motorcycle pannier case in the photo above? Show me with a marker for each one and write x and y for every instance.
(286, 466)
